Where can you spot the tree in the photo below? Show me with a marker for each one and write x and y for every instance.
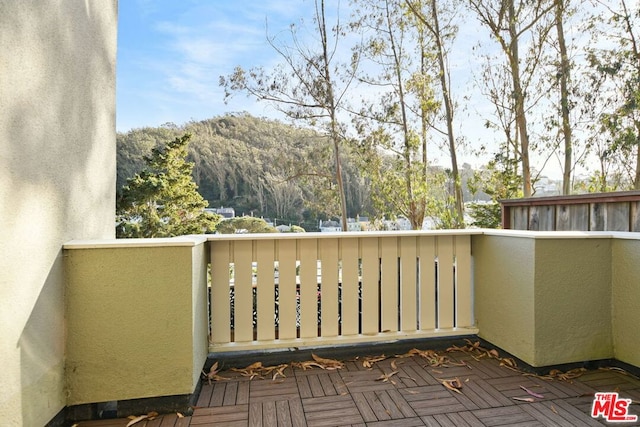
(304, 87)
(393, 121)
(439, 35)
(163, 200)
(564, 77)
(616, 79)
(245, 224)
(499, 182)
(510, 22)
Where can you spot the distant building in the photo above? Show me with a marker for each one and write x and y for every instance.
(222, 211)
(329, 226)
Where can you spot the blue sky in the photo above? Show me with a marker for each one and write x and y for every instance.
(172, 53)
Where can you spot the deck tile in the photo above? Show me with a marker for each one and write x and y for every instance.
(411, 394)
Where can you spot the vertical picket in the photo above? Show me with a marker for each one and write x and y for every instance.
(287, 299)
(308, 288)
(350, 286)
(329, 287)
(243, 289)
(408, 288)
(370, 289)
(427, 254)
(220, 307)
(445, 282)
(389, 283)
(464, 304)
(265, 290)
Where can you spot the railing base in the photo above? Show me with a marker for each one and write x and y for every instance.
(312, 342)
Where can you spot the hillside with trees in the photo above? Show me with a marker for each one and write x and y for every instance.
(259, 167)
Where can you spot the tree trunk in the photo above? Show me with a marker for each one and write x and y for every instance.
(331, 106)
(564, 100)
(457, 184)
(521, 119)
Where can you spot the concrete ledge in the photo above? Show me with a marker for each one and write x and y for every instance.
(136, 243)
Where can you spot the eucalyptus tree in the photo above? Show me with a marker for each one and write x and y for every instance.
(564, 79)
(305, 86)
(428, 16)
(615, 60)
(515, 24)
(391, 125)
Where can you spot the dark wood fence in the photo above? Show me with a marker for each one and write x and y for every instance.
(619, 211)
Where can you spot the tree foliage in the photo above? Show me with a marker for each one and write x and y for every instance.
(305, 86)
(163, 200)
(245, 224)
(257, 166)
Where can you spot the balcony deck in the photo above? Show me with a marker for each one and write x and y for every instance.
(402, 391)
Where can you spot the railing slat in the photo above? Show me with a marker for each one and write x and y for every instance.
(389, 283)
(329, 287)
(350, 287)
(287, 298)
(427, 293)
(265, 290)
(220, 309)
(408, 307)
(289, 291)
(370, 275)
(243, 289)
(464, 297)
(308, 288)
(445, 282)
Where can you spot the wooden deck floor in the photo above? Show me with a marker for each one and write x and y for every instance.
(402, 391)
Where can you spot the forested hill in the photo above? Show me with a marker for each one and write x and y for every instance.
(254, 165)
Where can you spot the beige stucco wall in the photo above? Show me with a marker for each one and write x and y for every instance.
(545, 300)
(572, 300)
(137, 318)
(57, 182)
(626, 299)
(504, 292)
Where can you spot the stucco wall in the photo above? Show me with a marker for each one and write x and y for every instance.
(139, 320)
(572, 300)
(57, 182)
(545, 297)
(504, 292)
(626, 300)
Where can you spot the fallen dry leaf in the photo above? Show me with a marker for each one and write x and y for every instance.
(532, 393)
(453, 385)
(524, 399)
(369, 361)
(213, 374)
(328, 364)
(386, 377)
(136, 419)
(179, 415)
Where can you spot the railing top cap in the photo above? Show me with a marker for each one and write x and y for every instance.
(136, 243)
(340, 234)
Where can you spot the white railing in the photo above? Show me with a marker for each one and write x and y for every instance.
(293, 290)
